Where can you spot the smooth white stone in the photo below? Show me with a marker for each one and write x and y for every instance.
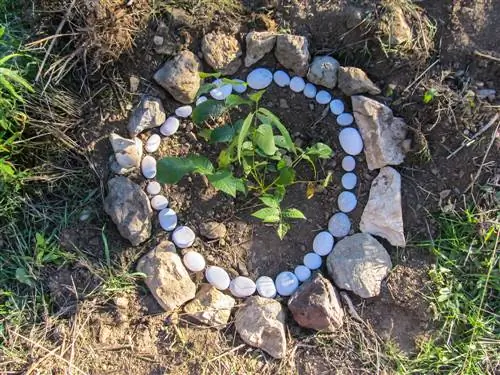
(183, 236)
(217, 277)
(323, 97)
(153, 143)
(242, 287)
(259, 78)
(153, 187)
(222, 91)
(265, 287)
(281, 78)
(148, 166)
(297, 84)
(310, 91)
(184, 111)
(351, 141)
(345, 119)
(170, 126)
(302, 273)
(201, 99)
(159, 202)
(339, 225)
(349, 180)
(286, 283)
(323, 243)
(347, 201)
(194, 261)
(337, 106)
(312, 261)
(168, 219)
(348, 163)
(240, 88)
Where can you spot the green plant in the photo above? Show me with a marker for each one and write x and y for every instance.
(429, 95)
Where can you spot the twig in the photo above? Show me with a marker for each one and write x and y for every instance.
(350, 307)
(226, 353)
(421, 75)
(484, 55)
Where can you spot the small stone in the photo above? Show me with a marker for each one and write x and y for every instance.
(153, 187)
(394, 27)
(157, 40)
(312, 261)
(339, 225)
(283, 103)
(168, 219)
(241, 87)
(302, 272)
(210, 306)
(348, 163)
(297, 84)
(323, 71)
(121, 302)
(222, 90)
(292, 51)
(349, 181)
(183, 237)
(310, 90)
(217, 277)
(148, 166)
(259, 78)
(242, 287)
(159, 202)
(345, 119)
(323, 243)
(213, 230)
(153, 143)
(486, 94)
(148, 114)
(337, 106)
(281, 78)
(350, 141)
(347, 201)
(286, 283)
(222, 52)
(323, 97)
(128, 152)
(201, 99)
(258, 44)
(134, 82)
(359, 263)
(265, 287)
(194, 261)
(184, 111)
(170, 126)
(353, 81)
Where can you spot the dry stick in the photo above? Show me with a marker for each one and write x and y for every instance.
(472, 139)
(484, 55)
(421, 75)
(226, 353)
(350, 307)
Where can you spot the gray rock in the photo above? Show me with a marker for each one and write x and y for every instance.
(292, 51)
(258, 44)
(486, 94)
(323, 71)
(316, 305)
(222, 52)
(148, 114)
(129, 208)
(383, 215)
(210, 306)
(128, 152)
(359, 263)
(260, 322)
(213, 230)
(394, 27)
(166, 278)
(383, 134)
(353, 81)
(180, 77)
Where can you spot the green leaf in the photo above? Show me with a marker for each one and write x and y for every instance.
(268, 215)
(281, 142)
(201, 164)
(293, 213)
(172, 169)
(429, 95)
(23, 277)
(235, 100)
(204, 75)
(206, 110)
(233, 82)
(205, 133)
(244, 132)
(282, 129)
(264, 139)
(279, 192)
(222, 134)
(282, 230)
(225, 181)
(320, 150)
(256, 96)
(270, 201)
(205, 88)
(327, 179)
(224, 159)
(286, 177)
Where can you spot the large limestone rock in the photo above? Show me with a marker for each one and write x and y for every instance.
(260, 322)
(323, 71)
(316, 304)
(222, 52)
(128, 152)
(148, 114)
(180, 77)
(292, 51)
(210, 306)
(129, 208)
(353, 81)
(258, 44)
(383, 134)
(167, 278)
(394, 27)
(383, 215)
(359, 263)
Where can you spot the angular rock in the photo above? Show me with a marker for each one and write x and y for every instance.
(394, 27)
(180, 77)
(222, 52)
(148, 114)
(383, 215)
(383, 134)
(213, 230)
(128, 152)
(260, 322)
(166, 278)
(353, 81)
(323, 71)
(129, 208)
(359, 263)
(258, 44)
(210, 306)
(316, 305)
(292, 51)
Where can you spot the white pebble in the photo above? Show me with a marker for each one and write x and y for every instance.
(286, 283)
(159, 202)
(302, 273)
(153, 187)
(351, 141)
(348, 163)
(194, 261)
(259, 78)
(184, 111)
(201, 99)
(170, 126)
(310, 91)
(217, 277)
(265, 287)
(148, 166)
(312, 261)
(339, 225)
(345, 119)
(281, 78)
(349, 180)
(222, 91)
(297, 84)
(183, 236)
(168, 219)
(347, 201)
(242, 287)
(323, 97)
(323, 243)
(240, 88)
(153, 143)
(337, 106)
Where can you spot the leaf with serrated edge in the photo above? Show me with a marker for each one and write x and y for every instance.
(270, 201)
(293, 213)
(263, 213)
